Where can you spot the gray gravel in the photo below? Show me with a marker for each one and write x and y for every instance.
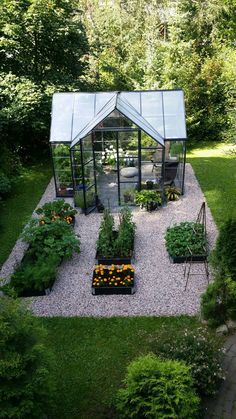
(160, 283)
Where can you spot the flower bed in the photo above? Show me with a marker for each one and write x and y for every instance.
(186, 241)
(113, 279)
(56, 210)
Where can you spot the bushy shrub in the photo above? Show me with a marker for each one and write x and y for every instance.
(157, 389)
(5, 185)
(25, 384)
(218, 303)
(201, 353)
(186, 236)
(223, 257)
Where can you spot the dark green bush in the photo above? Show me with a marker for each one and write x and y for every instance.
(157, 389)
(186, 236)
(5, 185)
(224, 255)
(218, 303)
(201, 353)
(35, 275)
(54, 210)
(25, 384)
(105, 237)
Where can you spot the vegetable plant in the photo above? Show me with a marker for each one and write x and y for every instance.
(186, 239)
(145, 197)
(56, 210)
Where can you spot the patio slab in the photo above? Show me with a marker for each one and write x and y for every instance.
(160, 283)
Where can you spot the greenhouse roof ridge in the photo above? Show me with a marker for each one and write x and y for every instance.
(160, 113)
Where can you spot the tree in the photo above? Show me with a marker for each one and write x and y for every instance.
(25, 386)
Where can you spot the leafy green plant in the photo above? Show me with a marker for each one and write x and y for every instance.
(105, 238)
(35, 275)
(172, 193)
(145, 197)
(55, 210)
(201, 353)
(223, 257)
(128, 195)
(125, 240)
(156, 388)
(218, 303)
(185, 239)
(25, 363)
(56, 238)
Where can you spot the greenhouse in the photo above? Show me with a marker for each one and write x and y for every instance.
(107, 145)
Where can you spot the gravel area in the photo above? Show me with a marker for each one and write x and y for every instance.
(160, 283)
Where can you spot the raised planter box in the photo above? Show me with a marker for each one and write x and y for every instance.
(35, 293)
(194, 258)
(119, 289)
(115, 260)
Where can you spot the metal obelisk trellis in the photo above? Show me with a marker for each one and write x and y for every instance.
(201, 219)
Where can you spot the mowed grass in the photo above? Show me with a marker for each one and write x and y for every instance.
(16, 210)
(91, 356)
(215, 168)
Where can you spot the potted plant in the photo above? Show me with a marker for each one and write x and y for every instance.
(186, 241)
(113, 279)
(172, 193)
(116, 247)
(149, 199)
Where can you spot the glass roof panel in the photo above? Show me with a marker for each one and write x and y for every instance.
(173, 102)
(133, 98)
(157, 123)
(101, 100)
(62, 106)
(124, 107)
(174, 114)
(83, 111)
(105, 111)
(151, 104)
(174, 127)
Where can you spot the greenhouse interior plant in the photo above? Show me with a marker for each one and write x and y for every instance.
(116, 246)
(186, 241)
(113, 279)
(149, 199)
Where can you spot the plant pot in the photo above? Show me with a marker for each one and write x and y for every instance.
(151, 206)
(183, 259)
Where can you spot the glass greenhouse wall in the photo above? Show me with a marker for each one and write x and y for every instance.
(106, 146)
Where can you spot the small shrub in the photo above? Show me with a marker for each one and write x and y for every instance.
(184, 238)
(201, 353)
(147, 196)
(26, 387)
(5, 185)
(223, 257)
(172, 193)
(157, 389)
(218, 303)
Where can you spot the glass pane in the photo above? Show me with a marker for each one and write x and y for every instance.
(173, 102)
(151, 104)
(101, 100)
(62, 169)
(81, 118)
(129, 170)
(150, 172)
(62, 108)
(89, 174)
(175, 126)
(133, 98)
(157, 123)
(87, 148)
(127, 193)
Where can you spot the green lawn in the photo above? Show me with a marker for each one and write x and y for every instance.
(92, 355)
(215, 169)
(16, 210)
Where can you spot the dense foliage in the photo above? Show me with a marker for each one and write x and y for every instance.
(201, 353)
(156, 388)
(224, 255)
(186, 239)
(111, 244)
(25, 383)
(56, 210)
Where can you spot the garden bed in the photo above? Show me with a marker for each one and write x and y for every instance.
(113, 259)
(113, 279)
(182, 259)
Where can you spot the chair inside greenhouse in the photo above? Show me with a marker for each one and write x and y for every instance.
(107, 145)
